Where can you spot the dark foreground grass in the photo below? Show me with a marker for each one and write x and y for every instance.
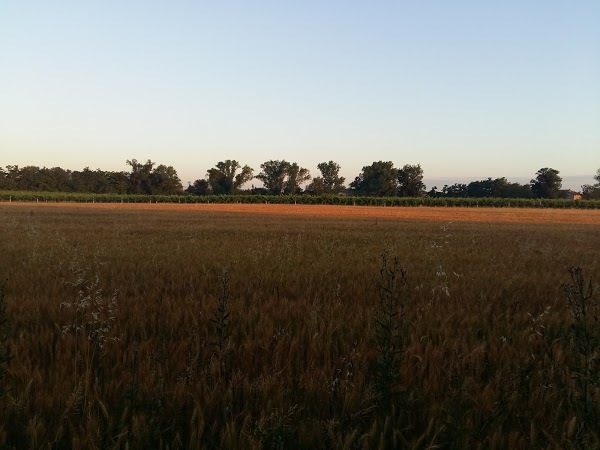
(181, 329)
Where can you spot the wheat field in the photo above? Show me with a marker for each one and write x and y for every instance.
(259, 326)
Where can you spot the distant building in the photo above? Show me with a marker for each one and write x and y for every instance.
(570, 195)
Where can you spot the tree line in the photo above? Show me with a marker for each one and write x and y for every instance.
(143, 178)
(278, 177)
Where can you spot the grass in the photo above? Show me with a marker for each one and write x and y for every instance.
(206, 329)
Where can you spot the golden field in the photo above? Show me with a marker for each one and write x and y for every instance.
(462, 214)
(117, 338)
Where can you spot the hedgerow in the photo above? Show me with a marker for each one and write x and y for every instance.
(27, 196)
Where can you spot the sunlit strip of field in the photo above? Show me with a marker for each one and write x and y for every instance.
(459, 214)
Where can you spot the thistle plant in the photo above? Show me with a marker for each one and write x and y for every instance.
(5, 356)
(220, 319)
(93, 314)
(276, 430)
(388, 334)
(585, 345)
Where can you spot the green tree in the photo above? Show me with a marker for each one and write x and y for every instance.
(139, 177)
(117, 182)
(501, 188)
(27, 178)
(592, 191)
(282, 177)
(199, 187)
(455, 190)
(296, 175)
(481, 188)
(433, 192)
(43, 180)
(165, 181)
(546, 184)
(6, 180)
(330, 178)
(223, 178)
(273, 175)
(60, 179)
(316, 186)
(146, 179)
(88, 180)
(410, 181)
(379, 179)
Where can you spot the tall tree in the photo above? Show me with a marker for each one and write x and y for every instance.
(139, 177)
(4, 180)
(282, 177)
(145, 179)
(410, 181)
(27, 178)
(329, 182)
(316, 186)
(546, 184)
(501, 188)
(455, 190)
(11, 174)
(592, 191)
(117, 182)
(273, 175)
(165, 181)
(296, 175)
(481, 188)
(379, 179)
(60, 179)
(88, 180)
(200, 187)
(223, 178)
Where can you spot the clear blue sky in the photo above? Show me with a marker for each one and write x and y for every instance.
(468, 89)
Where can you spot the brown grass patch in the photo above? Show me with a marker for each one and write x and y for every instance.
(486, 353)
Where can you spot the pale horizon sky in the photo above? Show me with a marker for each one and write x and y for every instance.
(467, 89)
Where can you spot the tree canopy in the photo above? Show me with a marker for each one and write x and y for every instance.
(546, 184)
(329, 182)
(282, 177)
(410, 181)
(296, 175)
(224, 179)
(273, 175)
(592, 191)
(146, 179)
(378, 179)
(279, 177)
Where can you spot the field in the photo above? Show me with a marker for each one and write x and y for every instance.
(283, 326)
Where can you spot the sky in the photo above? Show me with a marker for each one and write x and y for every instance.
(466, 89)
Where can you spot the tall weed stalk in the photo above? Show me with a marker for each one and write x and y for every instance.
(220, 320)
(585, 346)
(5, 356)
(388, 333)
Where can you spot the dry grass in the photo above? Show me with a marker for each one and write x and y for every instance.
(486, 351)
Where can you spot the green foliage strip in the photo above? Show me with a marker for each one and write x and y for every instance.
(58, 197)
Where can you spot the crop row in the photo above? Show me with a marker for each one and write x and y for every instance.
(25, 196)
